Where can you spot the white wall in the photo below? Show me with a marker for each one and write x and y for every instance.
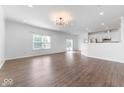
(81, 45)
(2, 37)
(107, 51)
(116, 35)
(19, 40)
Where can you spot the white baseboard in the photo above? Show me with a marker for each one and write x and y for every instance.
(107, 59)
(13, 58)
(2, 63)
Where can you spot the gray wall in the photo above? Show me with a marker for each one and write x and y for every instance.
(2, 37)
(19, 40)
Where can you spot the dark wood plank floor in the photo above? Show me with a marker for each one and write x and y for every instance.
(63, 70)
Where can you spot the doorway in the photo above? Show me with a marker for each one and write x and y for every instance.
(69, 44)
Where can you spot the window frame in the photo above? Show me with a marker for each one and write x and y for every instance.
(42, 44)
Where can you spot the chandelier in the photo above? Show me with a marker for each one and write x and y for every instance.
(60, 21)
(61, 18)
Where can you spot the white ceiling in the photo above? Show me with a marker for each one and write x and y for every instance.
(86, 18)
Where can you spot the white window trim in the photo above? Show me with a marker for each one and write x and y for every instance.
(44, 43)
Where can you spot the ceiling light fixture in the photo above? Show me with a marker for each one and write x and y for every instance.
(60, 21)
(101, 13)
(61, 18)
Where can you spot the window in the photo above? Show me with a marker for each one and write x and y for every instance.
(41, 42)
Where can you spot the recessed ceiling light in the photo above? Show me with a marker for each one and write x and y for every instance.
(30, 6)
(101, 13)
(102, 24)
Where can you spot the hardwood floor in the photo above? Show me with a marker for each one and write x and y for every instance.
(63, 70)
